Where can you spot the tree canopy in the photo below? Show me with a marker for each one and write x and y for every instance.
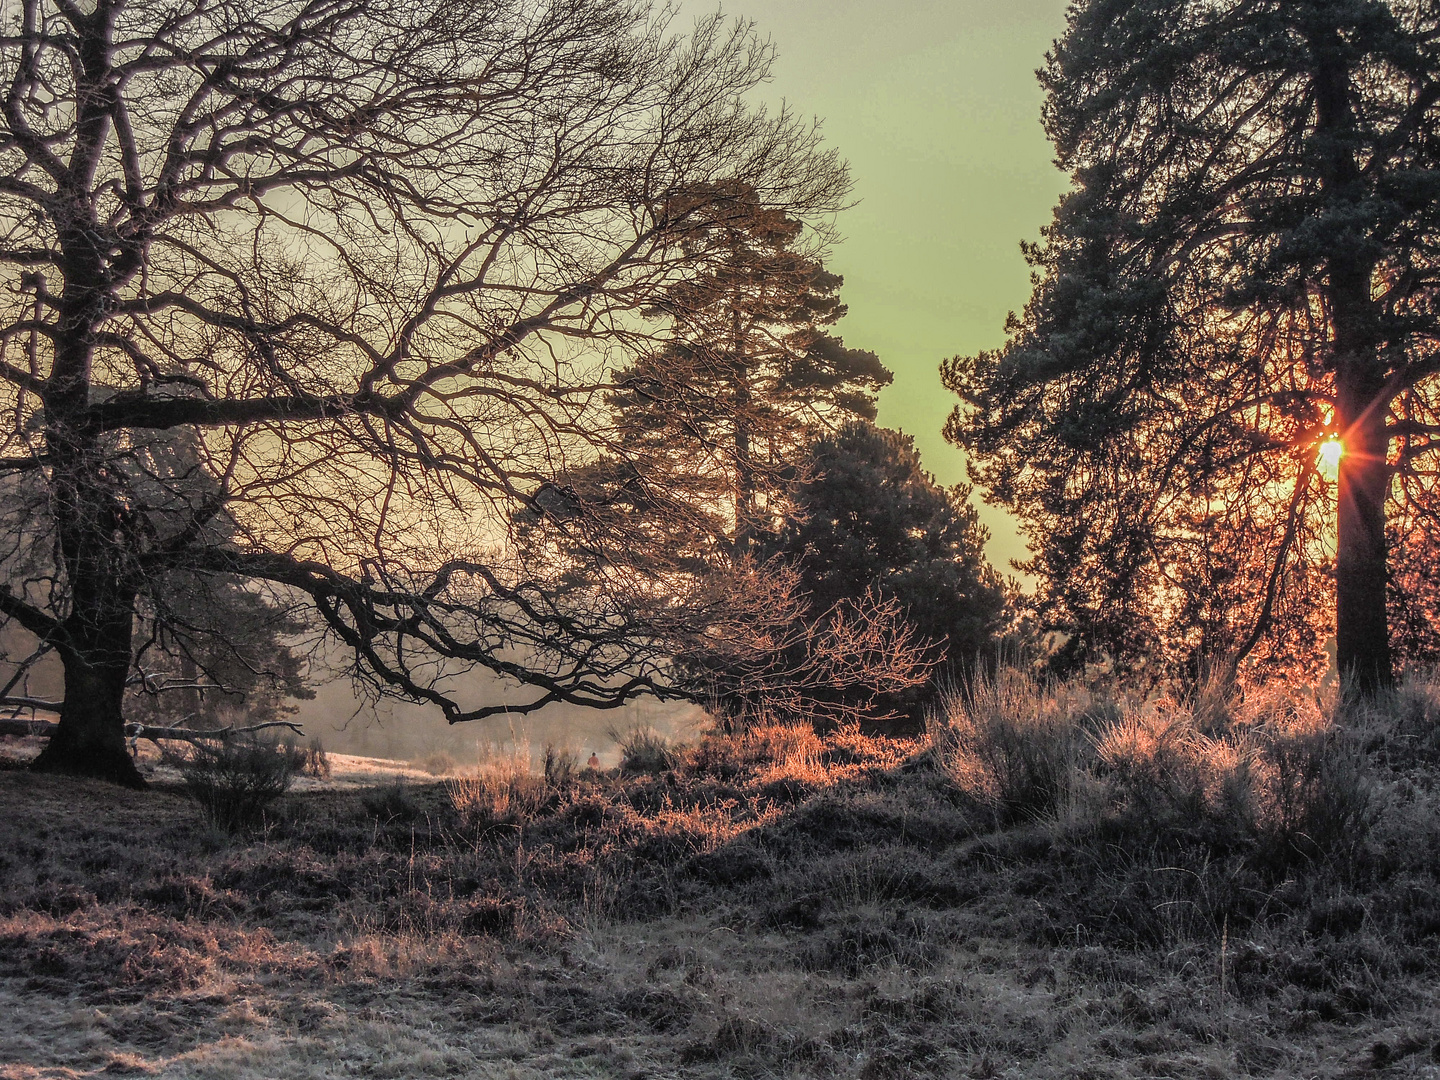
(1244, 271)
(868, 517)
(715, 424)
(377, 265)
(725, 407)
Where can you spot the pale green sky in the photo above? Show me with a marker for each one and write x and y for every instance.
(935, 105)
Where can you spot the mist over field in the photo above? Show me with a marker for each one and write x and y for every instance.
(405, 732)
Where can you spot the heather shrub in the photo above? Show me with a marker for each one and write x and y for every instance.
(1156, 769)
(1312, 787)
(644, 750)
(1013, 745)
(390, 803)
(1405, 722)
(438, 764)
(235, 779)
(561, 765)
(1266, 770)
(501, 791)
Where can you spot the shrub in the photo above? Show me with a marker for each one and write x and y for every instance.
(501, 792)
(1405, 721)
(772, 751)
(1014, 745)
(1311, 783)
(314, 761)
(390, 803)
(439, 764)
(560, 767)
(644, 750)
(1267, 771)
(235, 779)
(1157, 772)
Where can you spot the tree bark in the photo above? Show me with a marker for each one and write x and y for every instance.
(1362, 638)
(90, 738)
(744, 465)
(1362, 633)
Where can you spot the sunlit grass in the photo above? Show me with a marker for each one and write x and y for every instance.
(1058, 879)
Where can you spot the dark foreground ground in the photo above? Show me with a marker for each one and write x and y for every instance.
(776, 905)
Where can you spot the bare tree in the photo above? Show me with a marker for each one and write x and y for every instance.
(372, 266)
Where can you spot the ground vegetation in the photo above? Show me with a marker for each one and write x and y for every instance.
(1052, 882)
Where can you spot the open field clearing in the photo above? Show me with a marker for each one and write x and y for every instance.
(773, 904)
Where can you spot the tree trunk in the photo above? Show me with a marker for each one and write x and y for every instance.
(1362, 636)
(1362, 633)
(94, 639)
(744, 465)
(90, 739)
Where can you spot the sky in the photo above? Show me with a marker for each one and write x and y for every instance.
(935, 105)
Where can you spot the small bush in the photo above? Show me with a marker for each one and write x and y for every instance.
(1313, 789)
(439, 764)
(1405, 721)
(1267, 771)
(857, 943)
(643, 750)
(314, 761)
(1014, 745)
(390, 803)
(561, 766)
(770, 751)
(235, 779)
(500, 793)
(1158, 774)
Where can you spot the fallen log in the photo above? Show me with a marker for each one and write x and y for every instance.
(150, 732)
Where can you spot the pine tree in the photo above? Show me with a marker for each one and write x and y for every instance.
(712, 431)
(1244, 272)
(726, 407)
(869, 517)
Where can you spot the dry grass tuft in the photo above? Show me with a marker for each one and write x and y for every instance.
(503, 791)
(1270, 767)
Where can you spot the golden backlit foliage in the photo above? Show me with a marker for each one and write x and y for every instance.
(1266, 763)
(1246, 264)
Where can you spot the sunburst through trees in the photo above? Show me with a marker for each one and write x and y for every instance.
(1245, 270)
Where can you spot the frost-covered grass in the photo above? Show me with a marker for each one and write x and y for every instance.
(1051, 884)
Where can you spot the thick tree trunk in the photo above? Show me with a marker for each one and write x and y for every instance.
(88, 498)
(1362, 633)
(90, 739)
(94, 639)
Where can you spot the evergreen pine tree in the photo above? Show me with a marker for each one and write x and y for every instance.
(751, 368)
(869, 517)
(1244, 271)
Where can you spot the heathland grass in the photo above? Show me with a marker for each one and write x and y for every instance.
(1049, 884)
